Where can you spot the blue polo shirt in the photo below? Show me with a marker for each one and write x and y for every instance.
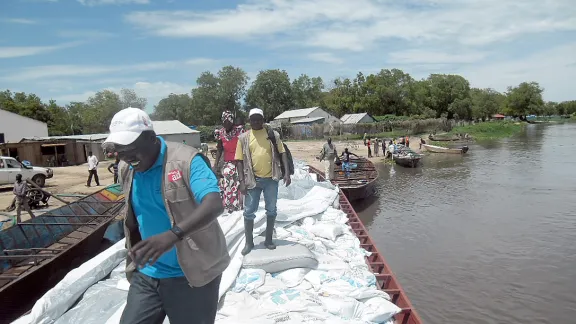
(148, 206)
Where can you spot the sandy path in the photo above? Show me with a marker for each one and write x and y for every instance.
(69, 180)
(72, 180)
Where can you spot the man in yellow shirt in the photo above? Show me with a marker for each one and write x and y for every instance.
(259, 172)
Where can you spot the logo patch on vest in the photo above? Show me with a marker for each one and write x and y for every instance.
(174, 175)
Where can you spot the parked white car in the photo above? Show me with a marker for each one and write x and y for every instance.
(9, 168)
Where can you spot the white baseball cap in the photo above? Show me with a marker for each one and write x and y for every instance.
(127, 125)
(256, 111)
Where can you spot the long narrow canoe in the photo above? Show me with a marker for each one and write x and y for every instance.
(385, 279)
(443, 137)
(440, 149)
(38, 253)
(361, 182)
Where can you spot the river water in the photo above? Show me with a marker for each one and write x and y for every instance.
(488, 237)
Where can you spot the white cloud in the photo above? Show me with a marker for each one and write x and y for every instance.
(325, 57)
(112, 2)
(357, 25)
(19, 51)
(20, 21)
(58, 71)
(553, 68)
(434, 57)
(85, 34)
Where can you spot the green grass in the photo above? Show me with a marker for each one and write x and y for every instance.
(490, 130)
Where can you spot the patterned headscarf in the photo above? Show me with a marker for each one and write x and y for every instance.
(227, 116)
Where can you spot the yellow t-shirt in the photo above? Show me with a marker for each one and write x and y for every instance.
(260, 151)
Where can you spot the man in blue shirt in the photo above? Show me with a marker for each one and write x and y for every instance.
(159, 287)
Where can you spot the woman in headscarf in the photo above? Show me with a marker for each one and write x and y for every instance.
(225, 166)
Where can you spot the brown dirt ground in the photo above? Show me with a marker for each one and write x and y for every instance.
(72, 180)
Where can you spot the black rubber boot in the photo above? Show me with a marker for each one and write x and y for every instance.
(269, 232)
(249, 233)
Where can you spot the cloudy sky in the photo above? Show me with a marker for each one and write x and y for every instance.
(69, 49)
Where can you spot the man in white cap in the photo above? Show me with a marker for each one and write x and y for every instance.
(177, 250)
(261, 172)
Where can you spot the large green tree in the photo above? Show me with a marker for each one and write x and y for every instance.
(306, 91)
(175, 107)
(486, 102)
(272, 92)
(524, 99)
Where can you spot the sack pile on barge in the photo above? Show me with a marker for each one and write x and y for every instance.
(336, 286)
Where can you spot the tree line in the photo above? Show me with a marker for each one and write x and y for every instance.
(388, 92)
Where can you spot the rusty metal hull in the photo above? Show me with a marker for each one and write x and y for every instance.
(37, 254)
(385, 279)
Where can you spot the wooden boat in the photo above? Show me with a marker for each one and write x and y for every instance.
(385, 279)
(362, 180)
(440, 149)
(444, 137)
(38, 253)
(406, 157)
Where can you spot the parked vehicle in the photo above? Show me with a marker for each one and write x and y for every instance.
(9, 168)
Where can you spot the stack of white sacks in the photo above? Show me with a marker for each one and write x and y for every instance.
(317, 274)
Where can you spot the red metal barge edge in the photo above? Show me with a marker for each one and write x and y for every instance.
(385, 279)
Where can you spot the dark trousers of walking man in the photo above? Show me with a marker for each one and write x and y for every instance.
(93, 173)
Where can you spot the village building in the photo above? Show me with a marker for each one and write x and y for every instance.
(310, 116)
(14, 127)
(53, 151)
(362, 118)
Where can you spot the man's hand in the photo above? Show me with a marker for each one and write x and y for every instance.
(242, 187)
(287, 180)
(149, 250)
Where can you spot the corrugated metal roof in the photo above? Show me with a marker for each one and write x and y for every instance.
(307, 120)
(169, 127)
(296, 113)
(354, 118)
(161, 127)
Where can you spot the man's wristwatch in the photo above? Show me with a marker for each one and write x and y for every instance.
(178, 232)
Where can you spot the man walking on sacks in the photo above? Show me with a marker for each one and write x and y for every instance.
(176, 249)
(260, 172)
(92, 169)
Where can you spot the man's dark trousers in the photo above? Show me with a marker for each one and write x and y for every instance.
(150, 300)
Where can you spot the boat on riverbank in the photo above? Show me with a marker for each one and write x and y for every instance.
(444, 137)
(37, 253)
(406, 157)
(361, 182)
(440, 149)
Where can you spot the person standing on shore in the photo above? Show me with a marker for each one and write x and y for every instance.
(261, 171)
(20, 190)
(364, 138)
(114, 166)
(329, 156)
(92, 169)
(225, 164)
(176, 249)
(376, 146)
(368, 144)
